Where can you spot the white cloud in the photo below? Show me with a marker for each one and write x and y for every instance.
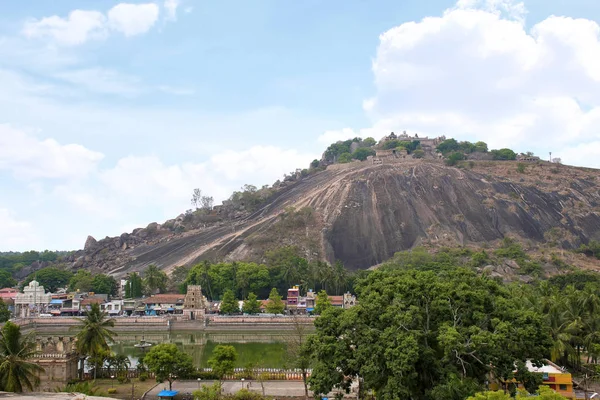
(476, 73)
(171, 8)
(259, 163)
(16, 234)
(81, 26)
(102, 80)
(133, 19)
(29, 158)
(77, 28)
(143, 183)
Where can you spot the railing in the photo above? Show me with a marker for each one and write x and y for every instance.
(267, 374)
(258, 319)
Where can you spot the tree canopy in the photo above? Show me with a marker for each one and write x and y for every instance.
(251, 304)
(169, 363)
(229, 304)
(223, 360)
(275, 305)
(52, 278)
(413, 330)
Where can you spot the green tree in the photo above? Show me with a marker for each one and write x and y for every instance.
(16, 372)
(448, 146)
(314, 164)
(95, 334)
(133, 287)
(251, 304)
(51, 278)
(362, 153)
(414, 331)
(454, 158)
(155, 279)
(251, 277)
(418, 153)
(4, 311)
(81, 281)
(212, 392)
(369, 142)
(322, 302)
(169, 363)
(344, 158)
(481, 147)
(6, 279)
(177, 279)
(504, 154)
(491, 395)
(229, 304)
(223, 360)
(275, 305)
(102, 283)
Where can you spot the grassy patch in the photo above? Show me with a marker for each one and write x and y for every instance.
(124, 389)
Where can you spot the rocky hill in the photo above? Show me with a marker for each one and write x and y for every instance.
(362, 213)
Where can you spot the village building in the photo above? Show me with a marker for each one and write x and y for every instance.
(553, 376)
(33, 301)
(159, 304)
(113, 307)
(528, 158)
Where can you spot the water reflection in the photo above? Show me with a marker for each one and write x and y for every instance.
(263, 349)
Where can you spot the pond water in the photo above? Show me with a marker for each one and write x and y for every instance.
(261, 349)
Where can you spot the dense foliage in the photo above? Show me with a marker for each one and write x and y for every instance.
(52, 278)
(414, 331)
(284, 268)
(169, 363)
(223, 360)
(83, 281)
(133, 286)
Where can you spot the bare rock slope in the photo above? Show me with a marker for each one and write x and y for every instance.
(362, 214)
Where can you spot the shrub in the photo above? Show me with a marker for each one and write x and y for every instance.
(344, 158)
(454, 158)
(418, 153)
(143, 376)
(504, 154)
(112, 391)
(362, 153)
(521, 168)
(511, 249)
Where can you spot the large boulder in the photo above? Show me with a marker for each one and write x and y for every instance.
(90, 243)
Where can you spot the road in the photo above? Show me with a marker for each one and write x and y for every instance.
(272, 388)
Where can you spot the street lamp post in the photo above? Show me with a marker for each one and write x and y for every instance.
(112, 381)
(199, 379)
(242, 383)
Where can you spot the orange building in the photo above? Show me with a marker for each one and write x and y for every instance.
(553, 376)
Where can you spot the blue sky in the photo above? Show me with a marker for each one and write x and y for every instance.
(112, 112)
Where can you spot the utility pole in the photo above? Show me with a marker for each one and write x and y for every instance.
(550, 156)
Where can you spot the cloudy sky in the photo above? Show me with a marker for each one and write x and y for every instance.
(111, 113)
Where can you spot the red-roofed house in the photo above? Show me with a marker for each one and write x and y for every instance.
(168, 303)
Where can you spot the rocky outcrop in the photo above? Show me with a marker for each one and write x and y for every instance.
(362, 214)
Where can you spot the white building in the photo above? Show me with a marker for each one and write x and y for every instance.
(114, 307)
(33, 301)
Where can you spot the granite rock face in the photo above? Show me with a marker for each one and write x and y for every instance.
(363, 213)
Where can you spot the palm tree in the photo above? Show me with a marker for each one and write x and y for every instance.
(94, 334)
(16, 373)
(155, 279)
